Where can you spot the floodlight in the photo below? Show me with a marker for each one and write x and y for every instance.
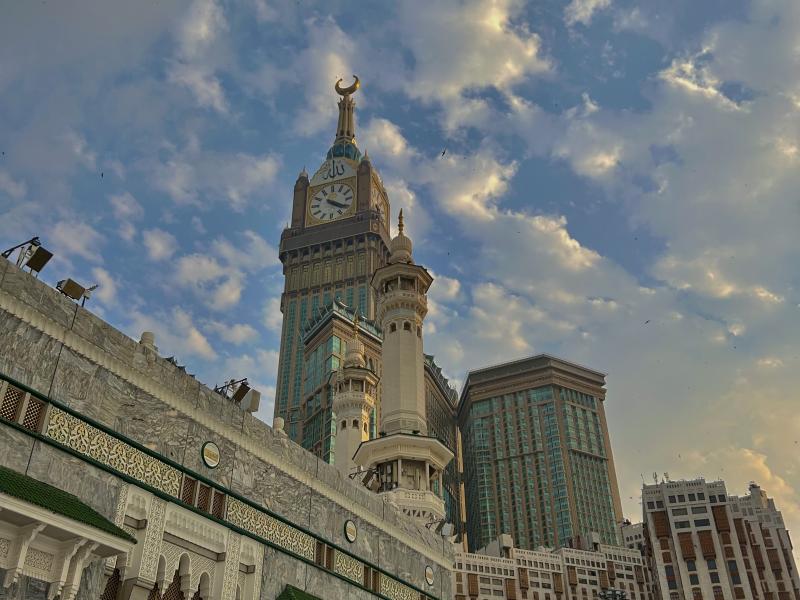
(71, 289)
(31, 255)
(251, 401)
(447, 529)
(38, 259)
(240, 392)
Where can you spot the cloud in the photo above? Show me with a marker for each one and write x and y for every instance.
(175, 333)
(12, 188)
(107, 286)
(272, 315)
(72, 238)
(218, 278)
(194, 176)
(126, 207)
(582, 11)
(235, 333)
(198, 53)
(160, 244)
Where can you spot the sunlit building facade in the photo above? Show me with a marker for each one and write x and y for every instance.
(537, 456)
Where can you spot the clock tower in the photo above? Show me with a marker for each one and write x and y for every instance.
(338, 238)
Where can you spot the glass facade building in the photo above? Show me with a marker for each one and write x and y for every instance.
(537, 457)
(325, 345)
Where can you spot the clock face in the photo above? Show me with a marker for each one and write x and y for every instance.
(331, 202)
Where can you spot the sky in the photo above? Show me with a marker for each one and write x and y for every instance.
(613, 182)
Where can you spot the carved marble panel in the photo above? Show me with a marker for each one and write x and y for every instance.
(90, 441)
(271, 529)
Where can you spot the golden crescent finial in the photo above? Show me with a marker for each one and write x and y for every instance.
(348, 90)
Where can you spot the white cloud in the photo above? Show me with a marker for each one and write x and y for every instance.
(205, 86)
(160, 244)
(126, 207)
(234, 333)
(219, 278)
(198, 54)
(582, 11)
(175, 332)
(194, 176)
(80, 149)
(15, 189)
(77, 239)
(272, 315)
(107, 286)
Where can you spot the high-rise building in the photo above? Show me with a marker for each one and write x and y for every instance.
(337, 239)
(704, 544)
(502, 572)
(441, 401)
(537, 456)
(325, 339)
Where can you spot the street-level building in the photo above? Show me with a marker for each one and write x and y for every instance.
(501, 571)
(537, 456)
(704, 544)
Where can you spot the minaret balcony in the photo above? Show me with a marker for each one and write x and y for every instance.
(421, 504)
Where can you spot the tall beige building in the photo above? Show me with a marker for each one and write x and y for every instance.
(337, 239)
(704, 544)
(537, 455)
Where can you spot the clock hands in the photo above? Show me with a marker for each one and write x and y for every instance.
(335, 203)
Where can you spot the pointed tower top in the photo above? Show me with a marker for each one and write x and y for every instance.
(355, 351)
(400, 246)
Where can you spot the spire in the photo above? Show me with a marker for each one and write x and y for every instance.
(355, 351)
(346, 128)
(400, 222)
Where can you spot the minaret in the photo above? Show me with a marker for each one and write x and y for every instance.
(353, 401)
(408, 462)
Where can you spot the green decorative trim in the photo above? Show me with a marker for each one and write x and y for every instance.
(56, 500)
(292, 593)
(71, 435)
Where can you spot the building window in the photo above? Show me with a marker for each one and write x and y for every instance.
(681, 498)
(701, 496)
(672, 499)
(681, 524)
(344, 425)
(694, 579)
(714, 576)
(711, 564)
(393, 327)
(355, 423)
(718, 593)
(701, 523)
(692, 498)
(407, 326)
(651, 505)
(691, 566)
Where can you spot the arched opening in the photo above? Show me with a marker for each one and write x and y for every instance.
(419, 331)
(238, 593)
(393, 327)
(407, 326)
(204, 589)
(355, 423)
(344, 425)
(173, 591)
(112, 586)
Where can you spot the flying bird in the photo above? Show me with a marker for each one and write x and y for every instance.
(443, 151)
(646, 322)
